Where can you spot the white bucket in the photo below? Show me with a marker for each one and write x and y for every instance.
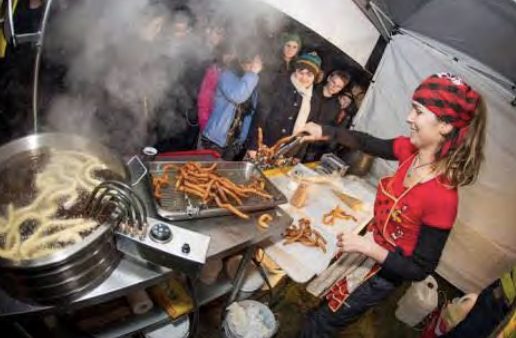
(257, 315)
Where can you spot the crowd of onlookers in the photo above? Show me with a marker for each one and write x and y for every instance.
(242, 89)
(229, 87)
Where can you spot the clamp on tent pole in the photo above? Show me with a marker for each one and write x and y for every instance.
(381, 16)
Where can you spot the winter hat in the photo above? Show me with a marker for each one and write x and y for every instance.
(312, 62)
(286, 37)
(452, 100)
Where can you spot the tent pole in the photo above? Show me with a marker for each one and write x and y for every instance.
(381, 16)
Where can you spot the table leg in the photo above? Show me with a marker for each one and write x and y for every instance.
(239, 277)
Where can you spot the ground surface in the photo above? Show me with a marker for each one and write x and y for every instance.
(294, 303)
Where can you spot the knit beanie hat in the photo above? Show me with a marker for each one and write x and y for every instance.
(286, 37)
(312, 62)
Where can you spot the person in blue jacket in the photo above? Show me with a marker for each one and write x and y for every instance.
(236, 99)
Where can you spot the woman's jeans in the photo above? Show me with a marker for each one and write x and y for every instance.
(324, 323)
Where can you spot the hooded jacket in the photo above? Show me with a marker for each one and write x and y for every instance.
(232, 90)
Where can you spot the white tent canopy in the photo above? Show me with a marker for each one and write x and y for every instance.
(340, 22)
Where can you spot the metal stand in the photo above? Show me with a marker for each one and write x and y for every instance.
(239, 278)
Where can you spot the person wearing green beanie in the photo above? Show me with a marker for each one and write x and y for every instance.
(280, 65)
(291, 47)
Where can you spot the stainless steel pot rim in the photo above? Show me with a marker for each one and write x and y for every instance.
(36, 141)
(62, 268)
(58, 256)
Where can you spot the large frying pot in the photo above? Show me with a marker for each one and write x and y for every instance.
(71, 271)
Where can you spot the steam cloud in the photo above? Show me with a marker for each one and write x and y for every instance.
(123, 62)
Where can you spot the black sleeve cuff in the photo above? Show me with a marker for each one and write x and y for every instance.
(400, 267)
(329, 131)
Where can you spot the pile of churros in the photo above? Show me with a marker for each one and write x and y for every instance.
(337, 213)
(303, 233)
(207, 185)
(267, 156)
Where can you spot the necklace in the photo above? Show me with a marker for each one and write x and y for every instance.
(413, 167)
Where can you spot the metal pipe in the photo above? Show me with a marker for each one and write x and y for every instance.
(10, 21)
(37, 64)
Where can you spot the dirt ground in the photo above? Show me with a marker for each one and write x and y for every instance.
(293, 303)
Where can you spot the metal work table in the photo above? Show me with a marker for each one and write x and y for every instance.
(229, 235)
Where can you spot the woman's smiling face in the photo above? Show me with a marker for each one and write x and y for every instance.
(425, 128)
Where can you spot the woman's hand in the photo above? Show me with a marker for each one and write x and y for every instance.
(349, 243)
(314, 131)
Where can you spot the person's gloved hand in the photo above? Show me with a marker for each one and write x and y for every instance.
(314, 131)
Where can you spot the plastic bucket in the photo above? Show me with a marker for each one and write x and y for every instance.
(264, 314)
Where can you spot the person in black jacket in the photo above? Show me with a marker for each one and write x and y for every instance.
(329, 109)
(329, 92)
(416, 207)
(291, 107)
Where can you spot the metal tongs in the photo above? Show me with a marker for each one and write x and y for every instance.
(290, 144)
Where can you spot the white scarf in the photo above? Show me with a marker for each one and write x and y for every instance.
(304, 110)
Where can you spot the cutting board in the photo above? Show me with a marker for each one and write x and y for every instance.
(302, 263)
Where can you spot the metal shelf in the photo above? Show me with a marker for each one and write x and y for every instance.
(208, 293)
(157, 317)
(154, 319)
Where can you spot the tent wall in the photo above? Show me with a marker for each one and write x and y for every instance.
(481, 246)
(341, 22)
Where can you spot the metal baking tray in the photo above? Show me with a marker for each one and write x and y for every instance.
(177, 205)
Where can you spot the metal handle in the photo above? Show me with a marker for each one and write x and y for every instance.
(9, 33)
(141, 164)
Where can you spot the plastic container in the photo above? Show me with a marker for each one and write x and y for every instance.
(211, 270)
(418, 302)
(253, 313)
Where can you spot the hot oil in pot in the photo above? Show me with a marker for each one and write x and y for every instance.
(44, 194)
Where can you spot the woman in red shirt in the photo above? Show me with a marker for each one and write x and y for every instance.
(416, 207)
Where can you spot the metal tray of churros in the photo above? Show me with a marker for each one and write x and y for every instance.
(174, 204)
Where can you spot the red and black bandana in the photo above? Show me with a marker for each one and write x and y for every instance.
(448, 97)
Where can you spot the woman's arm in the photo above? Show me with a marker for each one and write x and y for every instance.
(237, 90)
(416, 267)
(357, 140)
(352, 139)
(425, 258)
